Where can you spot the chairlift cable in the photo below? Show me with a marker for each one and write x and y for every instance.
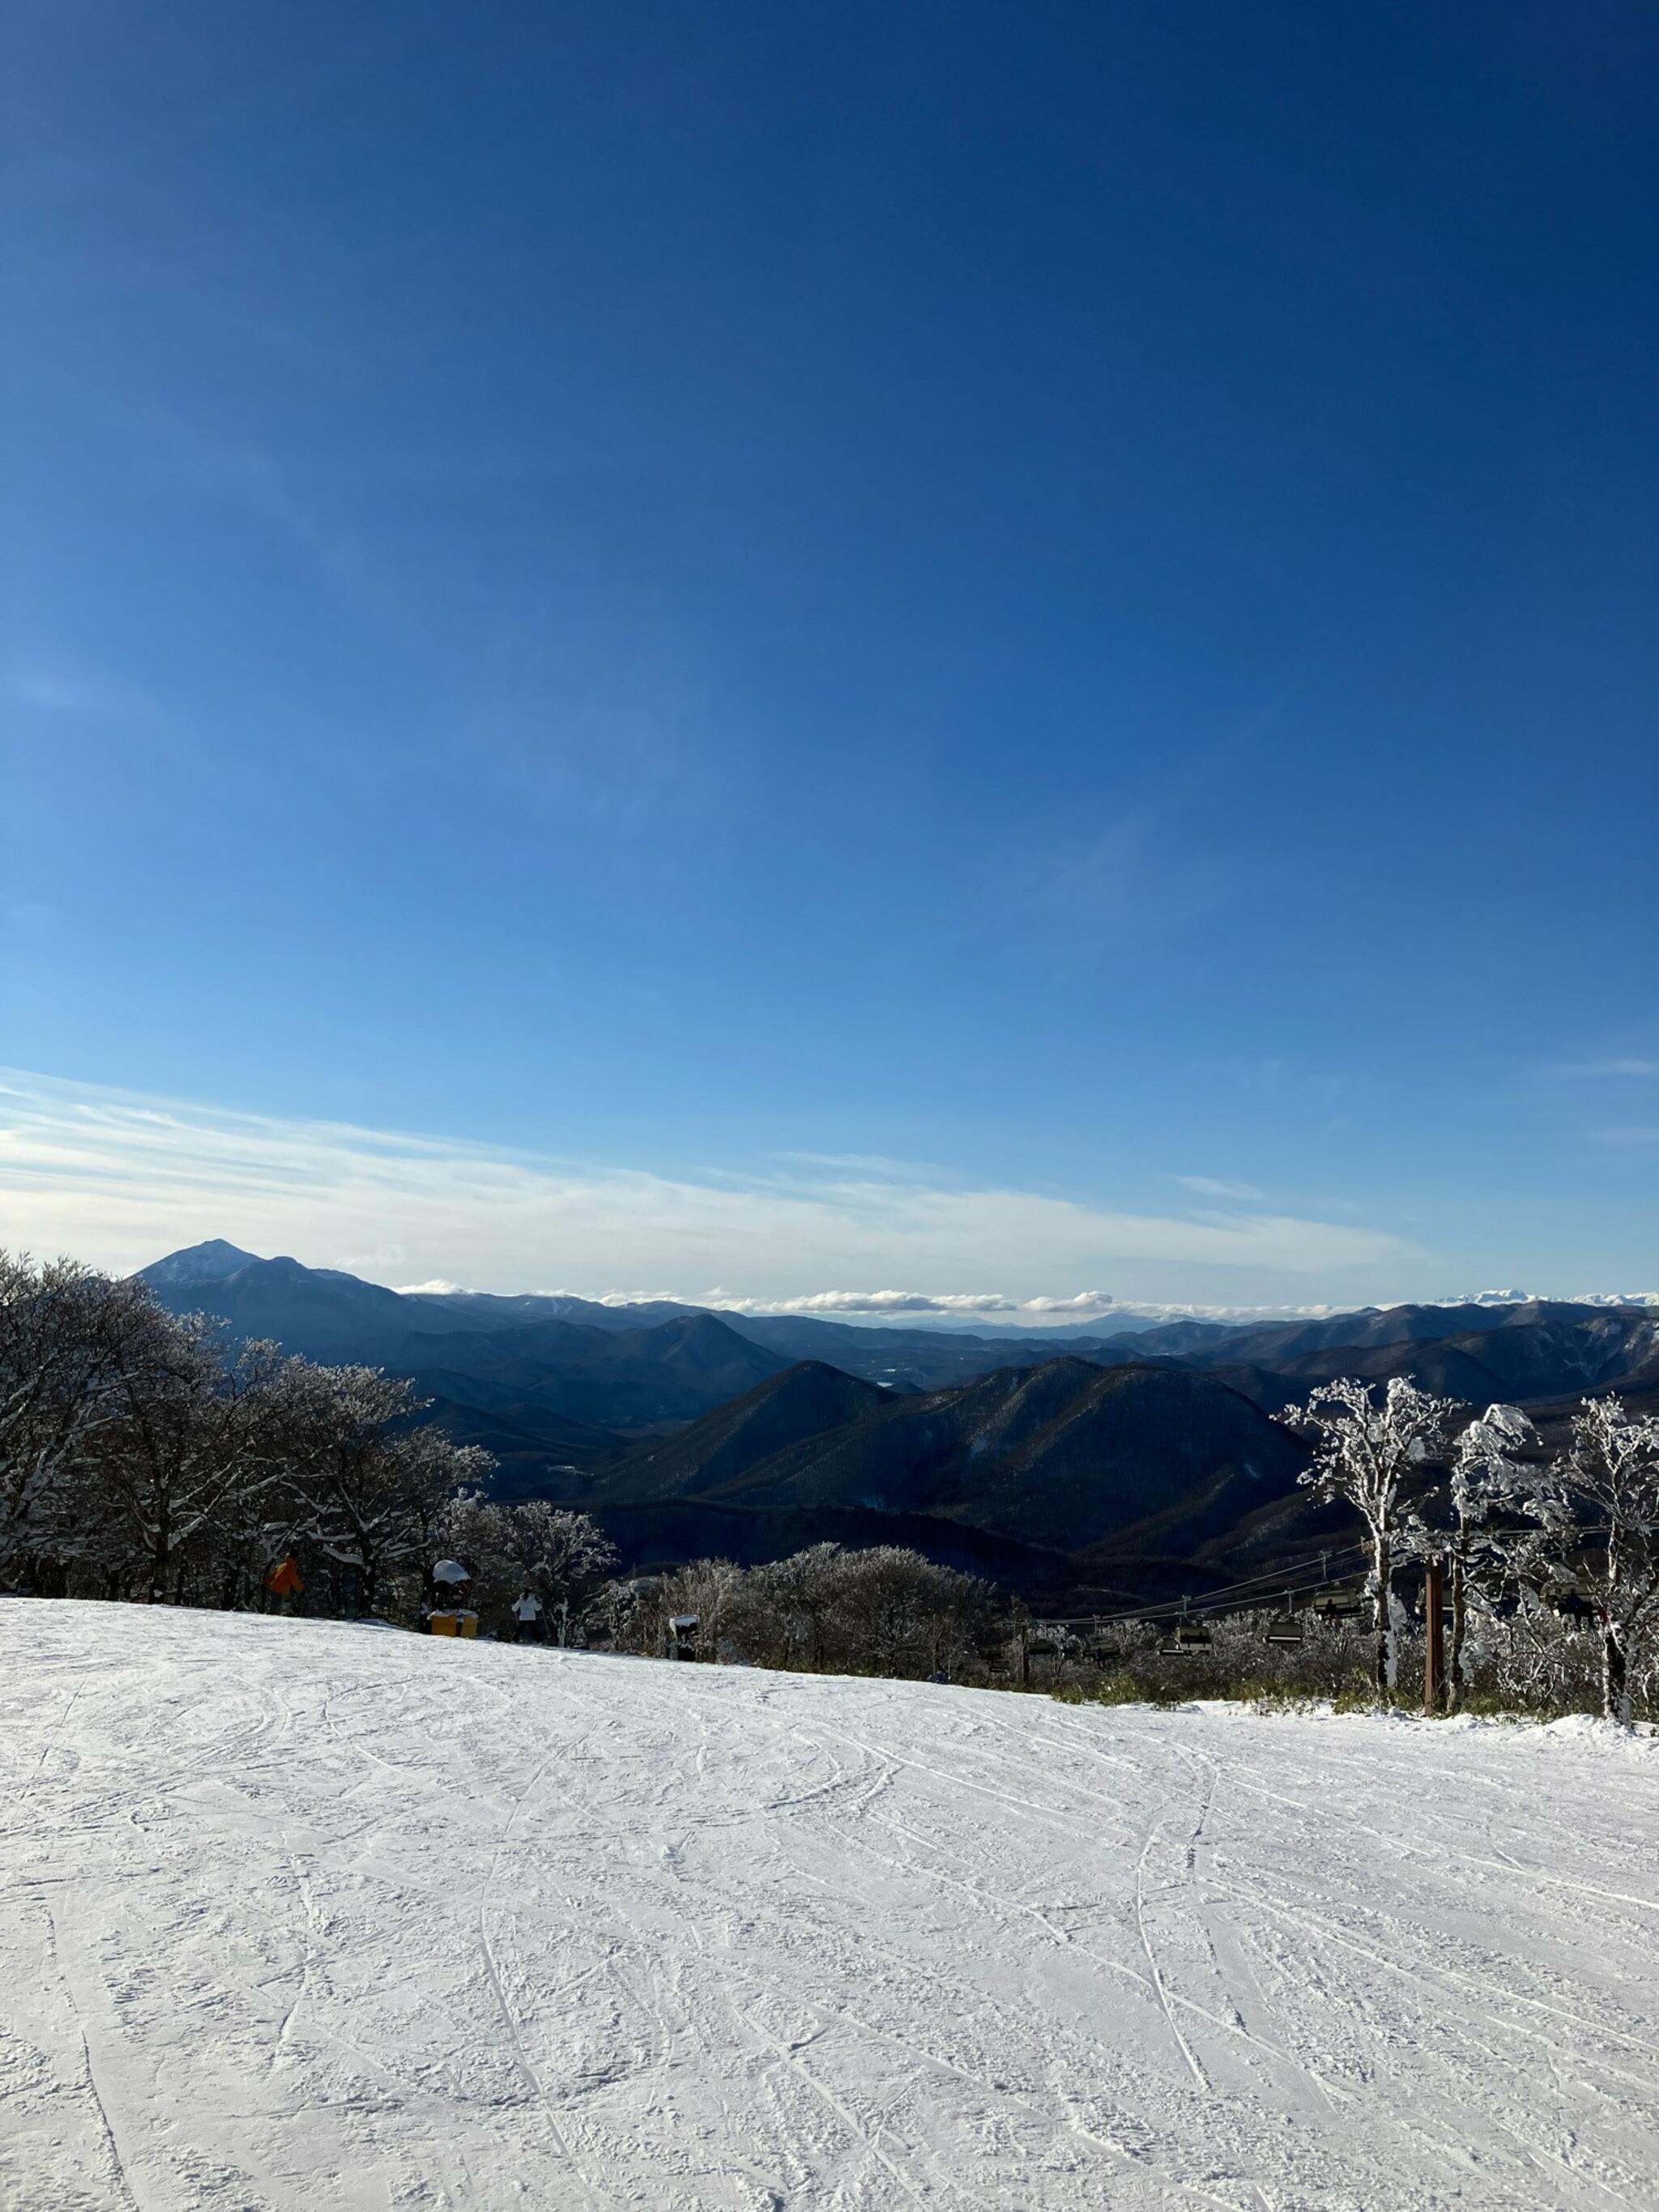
(1176, 1608)
(1278, 1579)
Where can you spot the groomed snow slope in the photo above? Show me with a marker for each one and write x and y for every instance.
(311, 1916)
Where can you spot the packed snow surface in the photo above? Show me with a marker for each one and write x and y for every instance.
(310, 1915)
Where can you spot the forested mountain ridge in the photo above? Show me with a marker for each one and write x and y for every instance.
(688, 1431)
(1060, 1460)
(576, 1387)
(1529, 1352)
(328, 1314)
(636, 1378)
(1530, 1349)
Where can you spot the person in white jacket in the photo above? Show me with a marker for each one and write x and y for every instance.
(526, 1616)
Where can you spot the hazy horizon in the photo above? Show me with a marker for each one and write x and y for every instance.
(119, 1182)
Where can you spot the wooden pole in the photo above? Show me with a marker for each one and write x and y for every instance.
(1434, 1663)
(1022, 1642)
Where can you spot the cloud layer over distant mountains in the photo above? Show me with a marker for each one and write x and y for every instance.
(117, 1179)
(901, 1303)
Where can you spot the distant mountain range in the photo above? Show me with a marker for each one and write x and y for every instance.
(1103, 1462)
(1526, 1354)
(328, 1315)
(518, 1376)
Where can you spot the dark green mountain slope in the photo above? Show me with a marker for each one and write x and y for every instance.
(1065, 1458)
(807, 1403)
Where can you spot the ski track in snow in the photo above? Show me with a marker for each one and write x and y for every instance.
(310, 1918)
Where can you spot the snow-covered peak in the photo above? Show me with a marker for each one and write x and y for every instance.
(208, 1262)
(1557, 1297)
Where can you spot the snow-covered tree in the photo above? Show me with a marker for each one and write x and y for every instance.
(1486, 1477)
(182, 1442)
(1598, 1506)
(712, 1590)
(472, 1528)
(1366, 1453)
(559, 1554)
(528, 1544)
(61, 1329)
(898, 1613)
(628, 1613)
(791, 1603)
(369, 1486)
(882, 1611)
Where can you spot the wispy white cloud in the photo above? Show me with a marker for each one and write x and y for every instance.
(119, 1178)
(957, 1305)
(879, 1165)
(1209, 1186)
(1083, 1303)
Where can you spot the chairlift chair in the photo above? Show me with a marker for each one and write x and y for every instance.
(1185, 1636)
(1342, 1605)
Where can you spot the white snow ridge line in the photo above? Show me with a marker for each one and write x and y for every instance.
(285, 1929)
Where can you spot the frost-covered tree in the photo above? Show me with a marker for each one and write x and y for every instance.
(897, 1613)
(369, 1488)
(628, 1613)
(713, 1590)
(879, 1611)
(62, 1326)
(1366, 1453)
(183, 1442)
(472, 1528)
(791, 1605)
(528, 1544)
(1598, 1506)
(560, 1555)
(1486, 1477)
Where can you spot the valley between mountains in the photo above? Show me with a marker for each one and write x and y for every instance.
(1082, 1465)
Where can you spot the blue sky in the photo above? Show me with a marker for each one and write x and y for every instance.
(1053, 602)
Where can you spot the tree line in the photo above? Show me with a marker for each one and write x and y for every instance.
(142, 1457)
(881, 1609)
(1572, 1532)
